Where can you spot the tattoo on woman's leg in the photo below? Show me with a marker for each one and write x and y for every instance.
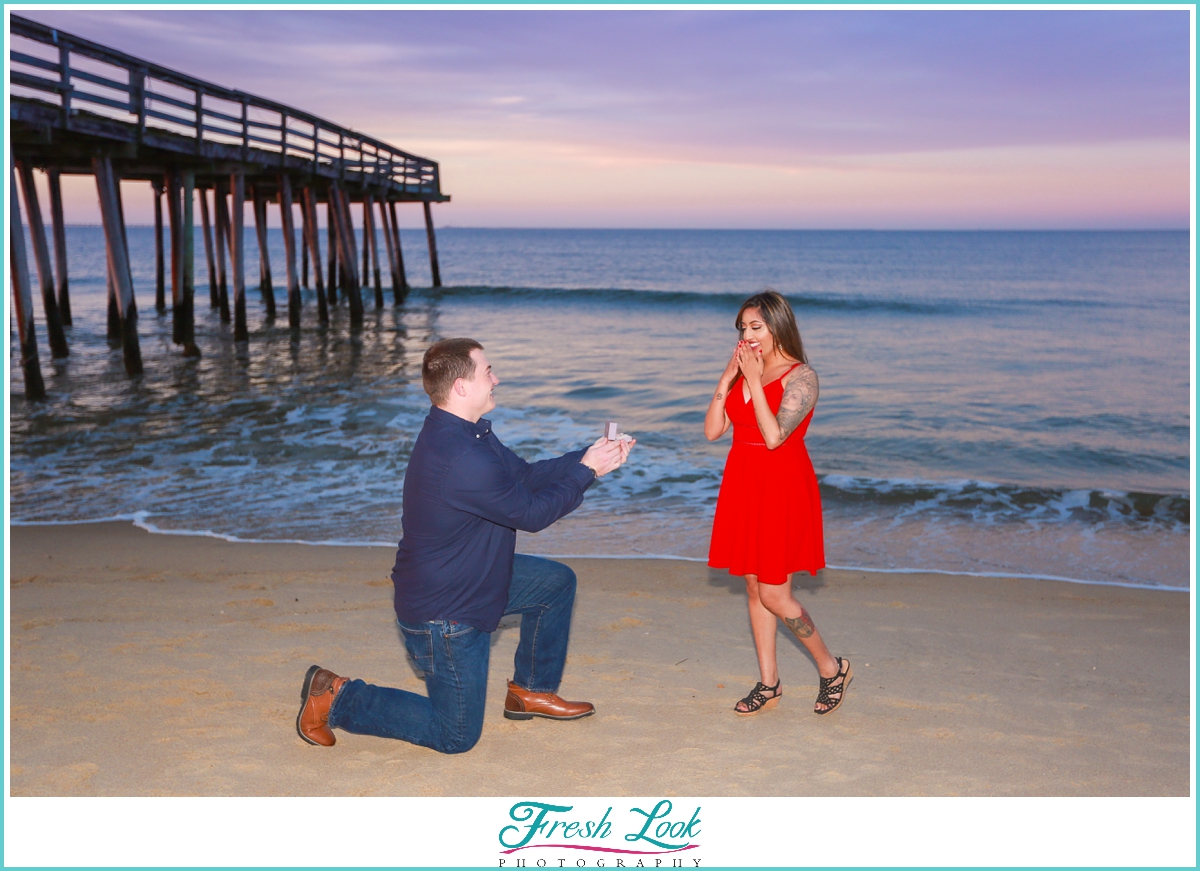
(802, 626)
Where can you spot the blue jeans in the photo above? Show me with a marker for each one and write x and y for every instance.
(454, 657)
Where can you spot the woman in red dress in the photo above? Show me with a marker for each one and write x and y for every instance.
(768, 520)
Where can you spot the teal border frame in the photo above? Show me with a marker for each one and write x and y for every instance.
(600, 4)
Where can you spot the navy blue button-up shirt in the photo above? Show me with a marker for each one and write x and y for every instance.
(465, 496)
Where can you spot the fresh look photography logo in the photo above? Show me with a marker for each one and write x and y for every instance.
(637, 838)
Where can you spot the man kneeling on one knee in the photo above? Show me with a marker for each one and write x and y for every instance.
(457, 573)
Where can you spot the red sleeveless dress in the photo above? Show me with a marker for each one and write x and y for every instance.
(768, 520)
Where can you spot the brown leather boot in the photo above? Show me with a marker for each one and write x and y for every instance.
(521, 704)
(321, 687)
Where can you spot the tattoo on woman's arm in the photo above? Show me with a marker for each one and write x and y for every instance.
(802, 627)
(799, 397)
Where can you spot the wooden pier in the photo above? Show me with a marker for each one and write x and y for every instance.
(78, 107)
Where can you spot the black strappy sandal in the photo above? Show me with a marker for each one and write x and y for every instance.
(836, 684)
(756, 701)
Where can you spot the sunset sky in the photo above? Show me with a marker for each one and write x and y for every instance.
(725, 118)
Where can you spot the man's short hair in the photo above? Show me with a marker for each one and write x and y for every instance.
(445, 362)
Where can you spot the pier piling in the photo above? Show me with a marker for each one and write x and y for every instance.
(399, 253)
(60, 247)
(366, 246)
(160, 293)
(373, 240)
(347, 253)
(303, 251)
(206, 226)
(289, 247)
(133, 308)
(174, 184)
(187, 316)
(391, 252)
(264, 257)
(113, 331)
(35, 388)
(313, 245)
(41, 254)
(331, 223)
(237, 255)
(347, 268)
(433, 256)
(221, 208)
(118, 258)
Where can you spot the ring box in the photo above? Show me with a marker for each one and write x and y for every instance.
(611, 433)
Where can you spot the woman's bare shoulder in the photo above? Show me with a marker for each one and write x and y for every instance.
(803, 371)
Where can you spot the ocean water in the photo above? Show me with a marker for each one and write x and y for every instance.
(991, 402)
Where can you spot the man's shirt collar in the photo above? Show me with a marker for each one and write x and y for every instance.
(478, 429)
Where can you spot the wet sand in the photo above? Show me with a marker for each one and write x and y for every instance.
(153, 665)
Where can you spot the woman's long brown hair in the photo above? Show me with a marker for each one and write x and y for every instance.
(780, 321)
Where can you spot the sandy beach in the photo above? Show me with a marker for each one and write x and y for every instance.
(155, 665)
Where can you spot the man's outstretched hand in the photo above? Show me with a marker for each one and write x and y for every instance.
(607, 454)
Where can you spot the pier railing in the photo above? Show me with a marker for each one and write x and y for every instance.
(87, 86)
